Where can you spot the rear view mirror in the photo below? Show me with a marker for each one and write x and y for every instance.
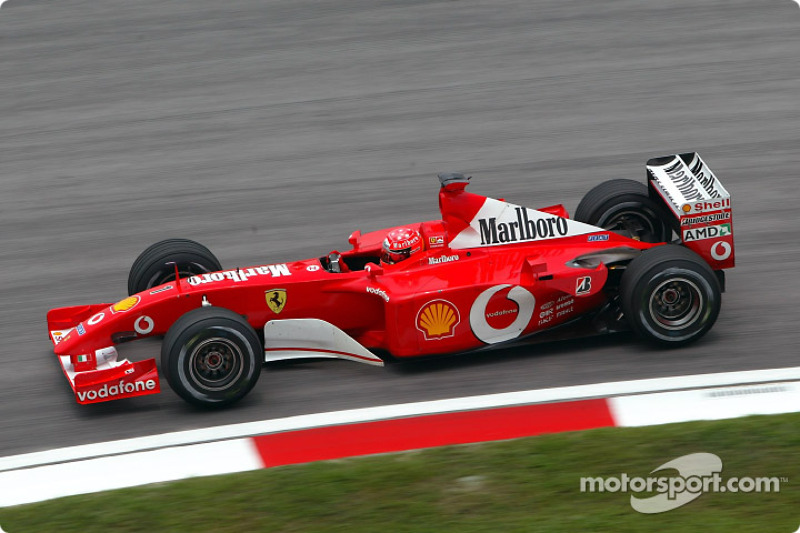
(373, 270)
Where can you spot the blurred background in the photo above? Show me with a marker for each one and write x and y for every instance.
(269, 131)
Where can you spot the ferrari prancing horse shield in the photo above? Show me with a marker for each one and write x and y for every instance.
(276, 299)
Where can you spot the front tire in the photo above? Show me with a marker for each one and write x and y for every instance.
(670, 296)
(211, 357)
(152, 267)
(624, 206)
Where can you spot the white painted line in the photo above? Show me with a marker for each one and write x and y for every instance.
(120, 471)
(233, 431)
(708, 404)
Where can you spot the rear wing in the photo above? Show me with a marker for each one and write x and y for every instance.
(701, 204)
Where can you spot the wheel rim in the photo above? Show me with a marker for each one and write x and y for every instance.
(641, 225)
(216, 362)
(676, 303)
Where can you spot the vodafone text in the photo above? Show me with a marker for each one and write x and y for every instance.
(122, 387)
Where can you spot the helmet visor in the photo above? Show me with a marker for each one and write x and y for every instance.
(389, 257)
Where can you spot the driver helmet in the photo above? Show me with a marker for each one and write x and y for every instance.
(400, 244)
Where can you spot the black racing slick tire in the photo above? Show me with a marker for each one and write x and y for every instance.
(211, 357)
(625, 206)
(670, 296)
(152, 267)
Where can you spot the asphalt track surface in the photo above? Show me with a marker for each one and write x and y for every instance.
(270, 130)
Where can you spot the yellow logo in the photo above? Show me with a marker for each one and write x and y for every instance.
(276, 299)
(125, 305)
(438, 320)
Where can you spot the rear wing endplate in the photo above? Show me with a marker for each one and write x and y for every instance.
(700, 203)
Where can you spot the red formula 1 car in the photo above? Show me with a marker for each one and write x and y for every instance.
(487, 273)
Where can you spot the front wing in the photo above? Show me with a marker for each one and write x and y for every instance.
(99, 377)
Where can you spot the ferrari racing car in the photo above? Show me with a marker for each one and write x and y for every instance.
(487, 273)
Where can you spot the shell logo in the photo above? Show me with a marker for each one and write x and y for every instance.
(125, 305)
(438, 319)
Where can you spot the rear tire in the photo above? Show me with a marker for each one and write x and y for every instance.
(151, 268)
(624, 206)
(211, 357)
(670, 296)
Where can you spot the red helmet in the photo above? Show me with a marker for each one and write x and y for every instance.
(400, 244)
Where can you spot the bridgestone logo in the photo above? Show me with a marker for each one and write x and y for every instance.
(117, 389)
(706, 219)
(523, 229)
